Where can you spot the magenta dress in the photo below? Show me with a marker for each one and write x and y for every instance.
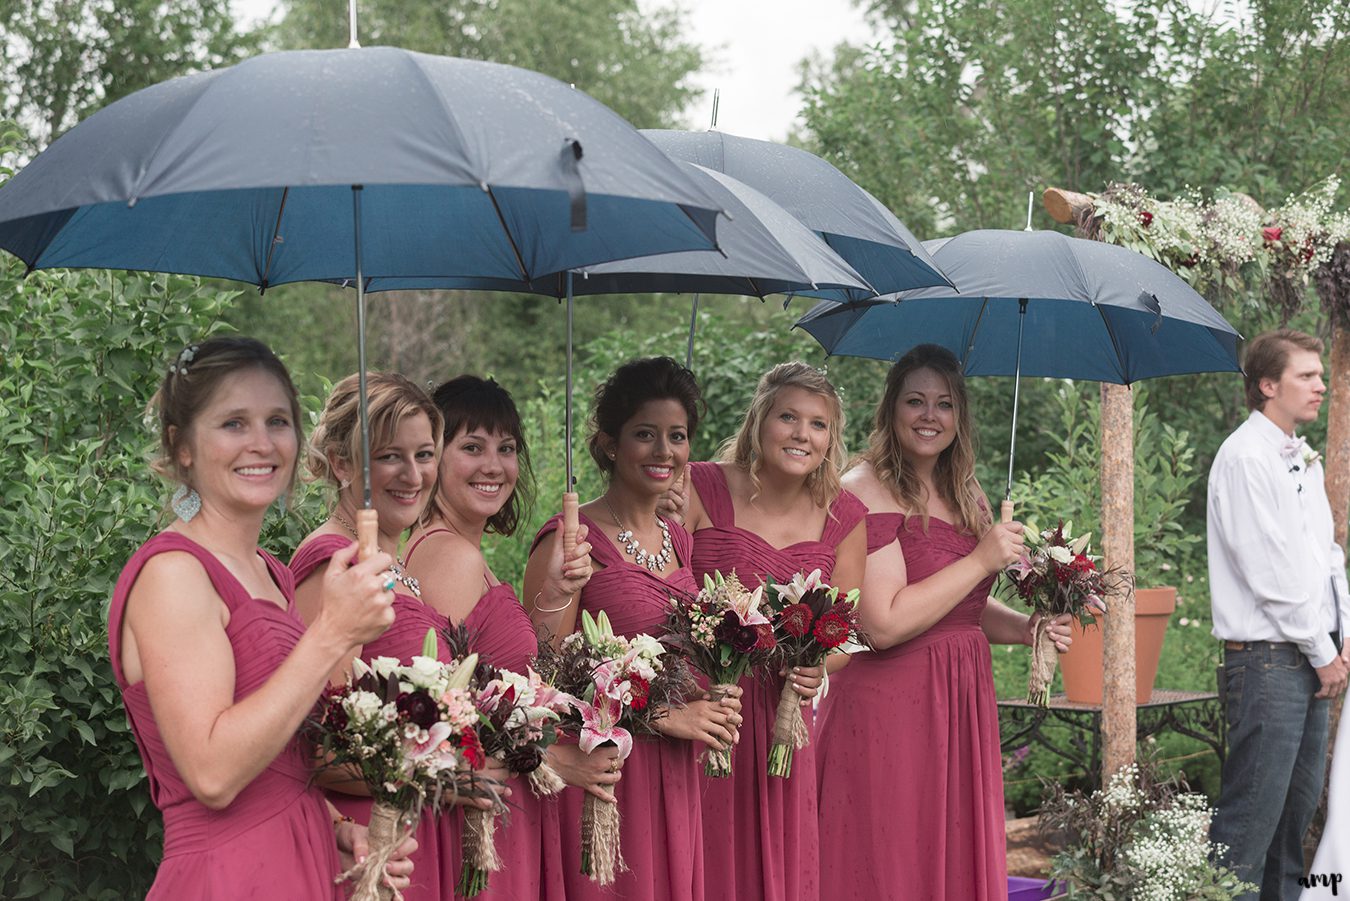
(529, 839)
(434, 874)
(759, 837)
(911, 781)
(275, 839)
(660, 827)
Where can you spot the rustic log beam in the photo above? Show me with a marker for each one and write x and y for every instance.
(1118, 663)
(1065, 206)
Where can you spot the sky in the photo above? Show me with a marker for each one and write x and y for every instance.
(754, 47)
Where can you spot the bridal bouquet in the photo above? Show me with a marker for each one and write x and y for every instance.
(409, 731)
(518, 718)
(810, 621)
(618, 686)
(1056, 575)
(724, 634)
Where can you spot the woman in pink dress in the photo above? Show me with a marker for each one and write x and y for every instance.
(641, 424)
(405, 445)
(773, 507)
(908, 739)
(216, 669)
(484, 486)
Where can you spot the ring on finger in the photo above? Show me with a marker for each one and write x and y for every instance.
(389, 585)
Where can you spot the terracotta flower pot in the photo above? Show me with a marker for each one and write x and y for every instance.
(1082, 665)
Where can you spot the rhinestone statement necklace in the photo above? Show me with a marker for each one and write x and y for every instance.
(654, 562)
(397, 568)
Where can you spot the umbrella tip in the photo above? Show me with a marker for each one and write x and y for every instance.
(1030, 199)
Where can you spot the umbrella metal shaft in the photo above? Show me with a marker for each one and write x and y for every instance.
(361, 352)
(693, 324)
(1017, 390)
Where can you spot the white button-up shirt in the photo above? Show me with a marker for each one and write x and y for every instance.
(1275, 570)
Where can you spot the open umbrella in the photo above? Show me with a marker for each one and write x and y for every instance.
(352, 164)
(855, 224)
(1080, 309)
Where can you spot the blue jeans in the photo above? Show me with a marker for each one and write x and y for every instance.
(1272, 776)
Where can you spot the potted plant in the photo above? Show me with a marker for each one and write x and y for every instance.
(1164, 478)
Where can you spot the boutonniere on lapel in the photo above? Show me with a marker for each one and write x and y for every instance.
(1298, 452)
(1310, 456)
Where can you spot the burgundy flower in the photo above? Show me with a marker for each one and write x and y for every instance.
(418, 708)
(472, 749)
(1191, 261)
(796, 620)
(831, 630)
(525, 759)
(1082, 564)
(1272, 234)
(766, 641)
(730, 631)
(641, 689)
(1146, 218)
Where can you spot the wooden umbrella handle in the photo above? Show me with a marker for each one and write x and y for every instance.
(570, 523)
(367, 533)
(1006, 511)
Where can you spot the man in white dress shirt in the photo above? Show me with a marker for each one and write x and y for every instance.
(1278, 589)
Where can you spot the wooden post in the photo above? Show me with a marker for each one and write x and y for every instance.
(1118, 688)
(1338, 428)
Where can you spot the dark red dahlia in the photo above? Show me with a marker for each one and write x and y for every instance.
(472, 749)
(418, 708)
(641, 690)
(1082, 564)
(1146, 218)
(831, 630)
(766, 641)
(796, 620)
(1272, 234)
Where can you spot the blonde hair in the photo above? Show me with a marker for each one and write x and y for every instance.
(954, 475)
(745, 450)
(391, 398)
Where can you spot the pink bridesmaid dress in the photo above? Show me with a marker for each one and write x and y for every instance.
(660, 827)
(275, 839)
(528, 838)
(911, 780)
(438, 837)
(759, 837)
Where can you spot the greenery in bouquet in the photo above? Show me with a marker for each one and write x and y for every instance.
(410, 733)
(810, 621)
(1139, 839)
(724, 634)
(517, 721)
(1057, 574)
(618, 686)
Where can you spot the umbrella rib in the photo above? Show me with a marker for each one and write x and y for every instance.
(520, 261)
(970, 345)
(272, 245)
(1115, 345)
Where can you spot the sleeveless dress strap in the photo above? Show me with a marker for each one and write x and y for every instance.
(710, 482)
(407, 555)
(846, 511)
(315, 553)
(230, 589)
(882, 529)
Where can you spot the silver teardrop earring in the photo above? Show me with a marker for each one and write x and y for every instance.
(186, 503)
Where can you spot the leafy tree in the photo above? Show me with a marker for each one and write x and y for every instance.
(64, 59)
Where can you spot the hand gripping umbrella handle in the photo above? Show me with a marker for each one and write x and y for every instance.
(1006, 510)
(367, 532)
(569, 534)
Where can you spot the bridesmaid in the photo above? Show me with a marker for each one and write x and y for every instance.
(484, 486)
(773, 507)
(922, 703)
(643, 418)
(405, 444)
(216, 669)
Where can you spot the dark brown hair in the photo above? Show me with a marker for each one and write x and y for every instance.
(469, 403)
(1267, 356)
(954, 474)
(194, 376)
(632, 385)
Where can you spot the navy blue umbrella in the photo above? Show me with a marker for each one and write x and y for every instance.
(350, 164)
(1079, 309)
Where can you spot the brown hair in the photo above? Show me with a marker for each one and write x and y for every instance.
(954, 474)
(632, 385)
(1267, 356)
(744, 449)
(194, 376)
(391, 398)
(468, 403)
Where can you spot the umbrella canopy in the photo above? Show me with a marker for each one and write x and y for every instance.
(1092, 311)
(853, 222)
(763, 250)
(468, 168)
(1043, 304)
(271, 171)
